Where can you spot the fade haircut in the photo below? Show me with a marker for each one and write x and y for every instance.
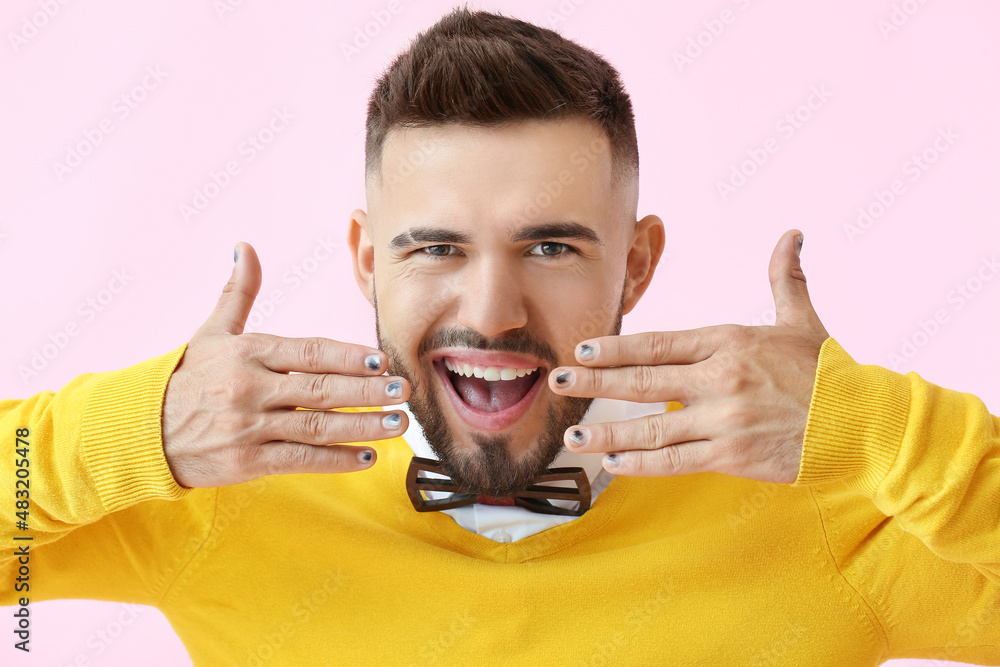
(487, 70)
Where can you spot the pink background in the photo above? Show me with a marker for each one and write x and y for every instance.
(63, 237)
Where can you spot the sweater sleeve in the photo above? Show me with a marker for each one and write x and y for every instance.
(101, 515)
(929, 458)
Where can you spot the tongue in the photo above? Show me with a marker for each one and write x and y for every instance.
(487, 396)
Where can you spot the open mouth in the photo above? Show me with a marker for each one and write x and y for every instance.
(489, 396)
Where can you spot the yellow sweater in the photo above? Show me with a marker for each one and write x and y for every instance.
(887, 545)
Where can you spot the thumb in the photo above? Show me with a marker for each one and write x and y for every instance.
(788, 283)
(231, 312)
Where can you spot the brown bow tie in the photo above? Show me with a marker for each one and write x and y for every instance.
(533, 498)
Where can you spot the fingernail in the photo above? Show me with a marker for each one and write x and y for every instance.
(589, 351)
(373, 361)
(392, 421)
(565, 378)
(798, 246)
(236, 254)
(611, 460)
(365, 456)
(394, 389)
(579, 437)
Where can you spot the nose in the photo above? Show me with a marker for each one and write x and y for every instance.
(492, 299)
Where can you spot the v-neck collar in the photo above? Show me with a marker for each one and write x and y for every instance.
(612, 491)
(527, 548)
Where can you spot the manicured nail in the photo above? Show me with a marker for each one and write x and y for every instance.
(236, 254)
(373, 361)
(611, 460)
(798, 246)
(394, 389)
(589, 351)
(565, 379)
(392, 421)
(579, 437)
(365, 456)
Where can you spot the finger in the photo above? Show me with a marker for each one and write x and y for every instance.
(277, 458)
(680, 459)
(317, 355)
(326, 427)
(651, 432)
(233, 308)
(642, 384)
(331, 390)
(653, 347)
(788, 283)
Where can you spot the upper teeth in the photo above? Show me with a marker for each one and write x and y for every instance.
(490, 373)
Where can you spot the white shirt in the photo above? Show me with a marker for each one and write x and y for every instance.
(503, 523)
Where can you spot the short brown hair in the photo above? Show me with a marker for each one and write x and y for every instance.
(485, 69)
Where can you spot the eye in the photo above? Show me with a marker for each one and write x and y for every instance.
(435, 250)
(553, 249)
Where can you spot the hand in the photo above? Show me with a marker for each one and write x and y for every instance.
(229, 413)
(746, 390)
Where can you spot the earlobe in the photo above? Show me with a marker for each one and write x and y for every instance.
(648, 241)
(362, 252)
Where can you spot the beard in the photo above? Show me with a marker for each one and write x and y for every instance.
(488, 468)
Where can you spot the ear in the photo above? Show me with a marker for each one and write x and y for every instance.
(362, 252)
(648, 241)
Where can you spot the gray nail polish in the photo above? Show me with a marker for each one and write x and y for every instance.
(564, 378)
(392, 421)
(394, 389)
(373, 362)
(579, 436)
(365, 456)
(611, 460)
(586, 351)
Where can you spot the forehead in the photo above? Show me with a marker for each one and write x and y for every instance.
(497, 178)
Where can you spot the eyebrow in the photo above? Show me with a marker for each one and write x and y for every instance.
(553, 230)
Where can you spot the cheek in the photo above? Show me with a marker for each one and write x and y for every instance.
(409, 314)
(587, 313)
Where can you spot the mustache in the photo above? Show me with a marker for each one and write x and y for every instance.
(518, 341)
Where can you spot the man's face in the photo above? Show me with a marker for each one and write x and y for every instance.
(494, 251)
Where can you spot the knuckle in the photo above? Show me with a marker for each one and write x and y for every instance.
(672, 460)
(371, 389)
(294, 457)
(737, 416)
(655, 433)
(238, 388)
(727, 453)
(321, 389)
(644, 380)
(244, 346)
(311, 354)
(611, 438)
(243, 456)
(660, 346)
(733, 333)
(312, 425)
(359, 428)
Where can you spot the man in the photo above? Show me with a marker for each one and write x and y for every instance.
(800, 509)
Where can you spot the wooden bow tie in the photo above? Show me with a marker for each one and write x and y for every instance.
(533, 498)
